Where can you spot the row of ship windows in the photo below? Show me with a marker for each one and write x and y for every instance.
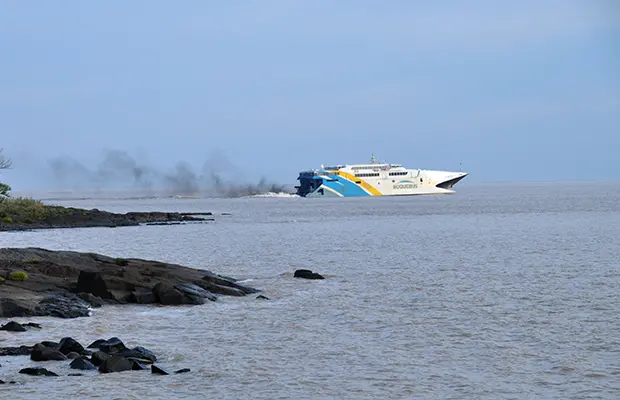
(376, 174)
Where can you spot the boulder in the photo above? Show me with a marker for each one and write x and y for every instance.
(112, 346)
(68, 345)
(37, 371)
(307, 274)
(82, 363)
(43, 353)
(166, 294)
(13, 326)
(115, 364)
(63, 307)
(157, 370)
(99, 357)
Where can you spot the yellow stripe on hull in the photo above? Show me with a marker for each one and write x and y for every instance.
(367, 186)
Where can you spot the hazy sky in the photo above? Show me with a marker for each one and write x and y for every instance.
(522, 90)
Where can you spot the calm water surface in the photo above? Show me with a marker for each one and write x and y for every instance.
(496, 292)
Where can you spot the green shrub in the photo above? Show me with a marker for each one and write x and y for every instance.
(32, 261)
(18, 276)
(121, 262)
(1, 279)
(7, 220)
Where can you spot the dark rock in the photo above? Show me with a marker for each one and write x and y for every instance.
(82, 363)
(63, 307)
(194, 291)
(137, 366)
(37, 371)
(97, 343)
(307, 274)
(220, 289)
(226, 282)
(99, 357)
(93, 283)
(75, 374)
(261, 297)
(112, 346)
(157, 370)
(32, 325)
(138, 352)
(115, 364)
(91, 299)
(73, 355)
(166, 294)
(68, 345)
(143, 297)
(16, 351)
(42, 353)
(13, 326)
(51, 345)
(182, 371)
(11, 308)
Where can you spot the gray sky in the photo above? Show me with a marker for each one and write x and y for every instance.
(515, 91)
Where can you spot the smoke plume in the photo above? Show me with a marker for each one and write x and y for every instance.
(119, 170)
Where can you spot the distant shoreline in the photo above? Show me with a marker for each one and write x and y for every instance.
(18, 214)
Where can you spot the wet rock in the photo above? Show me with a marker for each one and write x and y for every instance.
(166, 294)
(99, 357)
(82, 363)
(182, 371)
(75, 374)
(137, 366)
(37, 371)
(63, 307)
(112, 346)
(115, 364)
(91, 299)
(51, 345)
(261, 297)
(228, 282)
(42, 353)
(307, 274)
(220, 289)
(16, 351)
(31, 325)
(68, 345)
(13, 326)
(139, 353)
(195, 291)
(97, 343)
(73, 355)
(157, 370)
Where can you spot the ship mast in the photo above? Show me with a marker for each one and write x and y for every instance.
(373, 160)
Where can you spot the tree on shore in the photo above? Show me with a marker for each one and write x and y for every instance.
(5, 163)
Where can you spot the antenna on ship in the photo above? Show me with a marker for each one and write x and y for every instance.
(373, 160)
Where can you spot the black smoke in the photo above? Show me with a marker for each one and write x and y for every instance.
(119, 170)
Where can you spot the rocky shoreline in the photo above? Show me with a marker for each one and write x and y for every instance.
(67, 217)
(66, 284)
(104, 356)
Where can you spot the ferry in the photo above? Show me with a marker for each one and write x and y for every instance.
(374, 179)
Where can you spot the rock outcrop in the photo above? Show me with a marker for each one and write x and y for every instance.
(67, 284)
(69, 217)
(112, 356)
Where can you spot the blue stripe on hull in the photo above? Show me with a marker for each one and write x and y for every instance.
(345, 187)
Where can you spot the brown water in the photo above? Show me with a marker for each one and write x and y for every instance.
(495, 292)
